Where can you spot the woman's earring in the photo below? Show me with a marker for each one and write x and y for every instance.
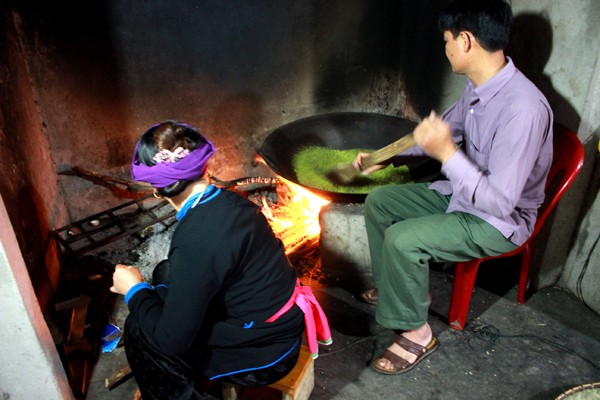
(155, 193)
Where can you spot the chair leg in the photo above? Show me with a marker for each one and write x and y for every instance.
(524, 274)
(462, 288)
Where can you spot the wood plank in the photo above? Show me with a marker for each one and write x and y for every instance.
(299, 383)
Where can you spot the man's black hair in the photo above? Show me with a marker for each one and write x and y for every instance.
(488, 20)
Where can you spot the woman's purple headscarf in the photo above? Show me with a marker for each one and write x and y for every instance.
(188, 168)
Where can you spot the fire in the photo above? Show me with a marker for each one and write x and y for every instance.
(310, 206)
(297, 215)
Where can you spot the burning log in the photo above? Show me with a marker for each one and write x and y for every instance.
(248, 182)
(292, 210)
(294, 219)
(124, 188)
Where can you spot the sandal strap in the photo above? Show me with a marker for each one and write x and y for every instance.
(398, 362)
(410, 346)
(370, 296)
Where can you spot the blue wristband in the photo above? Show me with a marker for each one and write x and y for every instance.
(136, 288)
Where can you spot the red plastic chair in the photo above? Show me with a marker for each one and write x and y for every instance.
(566, 164)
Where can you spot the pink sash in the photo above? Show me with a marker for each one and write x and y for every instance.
(315, 321)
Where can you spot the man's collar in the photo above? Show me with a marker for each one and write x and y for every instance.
(488, 90)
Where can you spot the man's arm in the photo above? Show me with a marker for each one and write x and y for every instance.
(434, 136)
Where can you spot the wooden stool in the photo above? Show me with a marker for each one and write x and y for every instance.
(297, 385)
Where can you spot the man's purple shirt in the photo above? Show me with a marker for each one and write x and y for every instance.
(499, 172)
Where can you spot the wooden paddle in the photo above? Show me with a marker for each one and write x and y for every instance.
(345, 173)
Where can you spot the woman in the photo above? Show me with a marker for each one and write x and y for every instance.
(225, 304)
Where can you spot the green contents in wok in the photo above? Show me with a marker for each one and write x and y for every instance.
(313, 166)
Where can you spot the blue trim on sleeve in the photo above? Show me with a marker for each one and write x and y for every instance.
(264, 366)
(136, 288)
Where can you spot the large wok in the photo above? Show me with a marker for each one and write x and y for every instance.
(341, 131)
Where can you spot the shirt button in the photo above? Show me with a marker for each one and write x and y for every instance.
(471, 111)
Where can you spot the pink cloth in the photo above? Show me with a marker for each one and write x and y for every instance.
(315, 321)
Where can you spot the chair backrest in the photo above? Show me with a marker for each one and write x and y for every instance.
(567, 161)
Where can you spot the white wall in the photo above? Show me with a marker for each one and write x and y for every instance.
(30, 367)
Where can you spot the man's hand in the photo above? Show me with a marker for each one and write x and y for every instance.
(434, 136)
(124, 277)
(358, 164)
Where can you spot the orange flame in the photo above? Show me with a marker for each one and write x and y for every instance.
(310, 206)
(298, 219)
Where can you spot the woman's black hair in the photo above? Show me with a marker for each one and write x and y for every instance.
(167, 135)
(488, 20)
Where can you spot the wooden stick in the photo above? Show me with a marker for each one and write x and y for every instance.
(118, 377)
(345, 173)
(132, 190)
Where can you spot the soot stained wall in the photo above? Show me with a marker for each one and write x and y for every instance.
(80, 81)
(29, 185)
(103, 72)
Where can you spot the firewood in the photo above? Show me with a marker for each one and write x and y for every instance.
(131, 190)
(118, 377)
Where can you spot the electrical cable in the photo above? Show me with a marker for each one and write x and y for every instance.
(330, 353)
(490, 335)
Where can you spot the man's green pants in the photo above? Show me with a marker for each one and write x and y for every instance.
(408, 227)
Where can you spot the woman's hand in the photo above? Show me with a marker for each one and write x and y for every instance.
(358, 164)
(124, 277)
(434, 136)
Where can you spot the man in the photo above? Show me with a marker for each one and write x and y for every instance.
(495, 147)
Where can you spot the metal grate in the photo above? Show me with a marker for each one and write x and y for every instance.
(103, 228)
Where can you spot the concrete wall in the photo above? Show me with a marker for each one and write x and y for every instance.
(103, 72)
(29, 364)
(581, 270)
(571, 80)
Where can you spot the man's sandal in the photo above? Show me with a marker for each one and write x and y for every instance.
(370, 296)
(400, 364)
